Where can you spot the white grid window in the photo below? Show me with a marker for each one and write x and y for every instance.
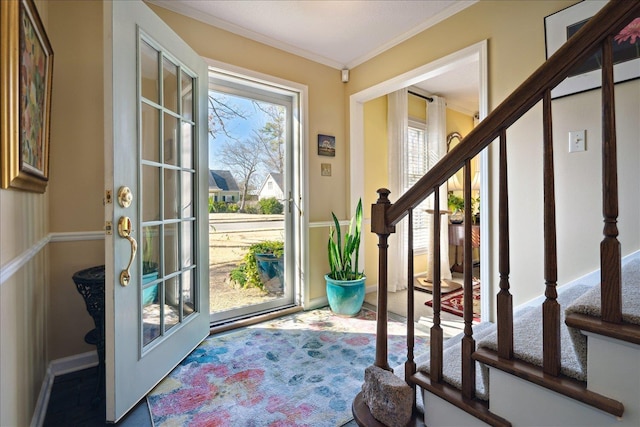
(415, 166)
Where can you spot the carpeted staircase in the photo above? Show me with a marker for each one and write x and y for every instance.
(578, 298)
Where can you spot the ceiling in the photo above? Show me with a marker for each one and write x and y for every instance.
(340, 34)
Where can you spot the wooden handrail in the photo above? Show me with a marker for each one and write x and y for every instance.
(611, 18)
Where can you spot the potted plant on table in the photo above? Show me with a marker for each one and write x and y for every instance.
(345, 283)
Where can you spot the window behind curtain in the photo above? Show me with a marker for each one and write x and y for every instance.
(416, 165)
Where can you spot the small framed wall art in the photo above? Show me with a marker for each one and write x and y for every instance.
(25, 97)
(326, 145)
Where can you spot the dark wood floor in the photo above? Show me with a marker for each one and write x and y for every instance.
(72, 403)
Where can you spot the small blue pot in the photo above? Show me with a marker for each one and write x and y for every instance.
(345, 296)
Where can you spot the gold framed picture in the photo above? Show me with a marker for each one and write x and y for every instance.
(26, 68)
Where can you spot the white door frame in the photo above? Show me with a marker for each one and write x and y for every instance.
(475, 52)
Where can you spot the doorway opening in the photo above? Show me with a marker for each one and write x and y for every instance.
(473, 58)
(253, 188)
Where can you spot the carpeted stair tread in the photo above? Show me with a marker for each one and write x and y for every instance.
(452, 362)
(589, 303)
(527, 338)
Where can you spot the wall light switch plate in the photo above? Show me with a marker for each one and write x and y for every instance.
(577, 141)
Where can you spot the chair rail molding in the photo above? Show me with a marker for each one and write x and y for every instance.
(10, 268)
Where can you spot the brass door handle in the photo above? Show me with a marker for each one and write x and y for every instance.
(125, 230)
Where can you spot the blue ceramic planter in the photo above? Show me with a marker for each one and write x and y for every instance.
(149, 295)
(345, 296)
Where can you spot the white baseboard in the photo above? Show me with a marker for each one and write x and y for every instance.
(74, 363)
(40, 411)
(57, 367)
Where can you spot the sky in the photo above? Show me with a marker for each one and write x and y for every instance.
(240, 128)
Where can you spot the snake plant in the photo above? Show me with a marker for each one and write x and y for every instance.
(343, 256)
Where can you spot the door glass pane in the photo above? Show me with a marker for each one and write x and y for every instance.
(186, 204)
(187, 145)
(187, 293)
(150, 317)
(170, 249)
(150, 252)
(149, 131)
(171, 194)
(170, 85)
(172, 302)
(187, 244)
(171, 139)
(187, 96)
(150, 191)
(149, 72)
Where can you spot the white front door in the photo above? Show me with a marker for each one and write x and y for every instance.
(156, 286)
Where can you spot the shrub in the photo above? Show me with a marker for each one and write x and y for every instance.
(233, 208)
(217, 207)
(270, 206)
(246, 274)
(251, 210)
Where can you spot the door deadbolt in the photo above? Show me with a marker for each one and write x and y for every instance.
(125, 197)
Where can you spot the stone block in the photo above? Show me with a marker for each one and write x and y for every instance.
(388, 397)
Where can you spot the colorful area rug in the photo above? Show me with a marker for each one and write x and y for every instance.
(299, 370)
(453, 302)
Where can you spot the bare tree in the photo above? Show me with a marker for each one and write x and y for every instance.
(221, 111)
(272, 136)
(243, 157)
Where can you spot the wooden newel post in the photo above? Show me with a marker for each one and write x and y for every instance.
(379, 227)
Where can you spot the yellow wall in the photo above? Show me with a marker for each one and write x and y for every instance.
(77, 166)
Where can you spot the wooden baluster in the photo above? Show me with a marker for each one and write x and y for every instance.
(436, 329)
(610, 253)
(504, 299)
(379, 227)
(410, 364)
(468, 343)
(550, 307)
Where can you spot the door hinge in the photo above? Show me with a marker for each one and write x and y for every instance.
(108, 228)
(108, 198)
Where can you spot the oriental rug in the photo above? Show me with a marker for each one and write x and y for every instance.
(453, 302)
(300, 370)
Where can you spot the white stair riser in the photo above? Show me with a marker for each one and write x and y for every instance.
(439, 412)
(613, 369)
(527, 404)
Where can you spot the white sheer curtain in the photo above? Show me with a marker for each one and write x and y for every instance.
(437, 148)
(397, 130)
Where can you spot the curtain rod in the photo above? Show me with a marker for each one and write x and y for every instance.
(421, 96)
